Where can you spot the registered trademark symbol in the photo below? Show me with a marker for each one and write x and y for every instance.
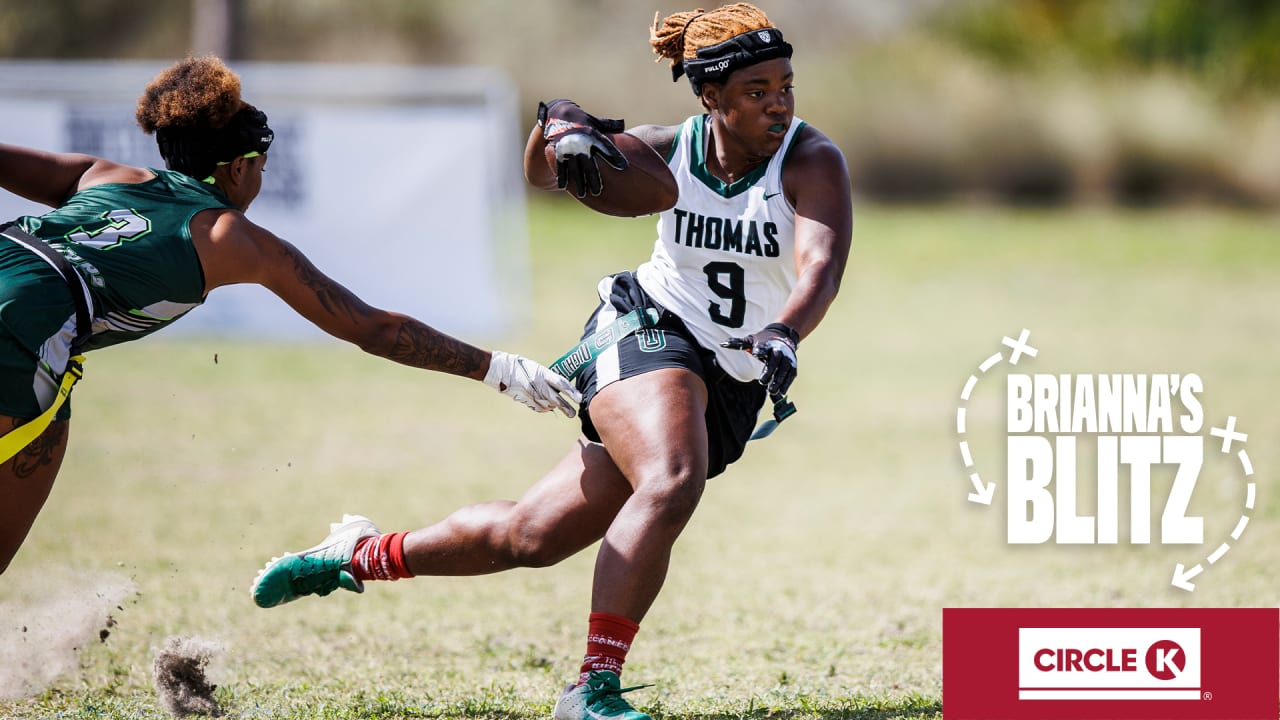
(1208, 695)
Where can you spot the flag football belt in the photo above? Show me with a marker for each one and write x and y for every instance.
(572, 363)
(22, 436)
(782, 409)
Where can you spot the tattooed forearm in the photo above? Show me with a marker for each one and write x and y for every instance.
(334, 298)
(386, 334)
(420, 346)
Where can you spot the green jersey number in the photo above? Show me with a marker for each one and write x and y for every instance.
(117, 226)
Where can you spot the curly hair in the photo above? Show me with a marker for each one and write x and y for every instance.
(679, 36)
(192, 93)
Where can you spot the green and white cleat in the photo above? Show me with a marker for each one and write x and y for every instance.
(599, 698)
(315, 571)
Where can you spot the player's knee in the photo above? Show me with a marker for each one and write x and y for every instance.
(674, 493)
(529, 545)
(484, 523)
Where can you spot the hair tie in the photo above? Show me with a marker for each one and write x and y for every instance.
(677, 64)
(685, 29)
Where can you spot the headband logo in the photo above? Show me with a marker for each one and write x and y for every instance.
(763, 35)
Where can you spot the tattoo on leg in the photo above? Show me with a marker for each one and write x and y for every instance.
(41, 451)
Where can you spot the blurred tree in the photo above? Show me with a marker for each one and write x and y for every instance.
(73, 29)
(1231, 45)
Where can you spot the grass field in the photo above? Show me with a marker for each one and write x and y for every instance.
(811, 581)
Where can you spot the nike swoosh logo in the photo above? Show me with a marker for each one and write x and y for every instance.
(769, 195)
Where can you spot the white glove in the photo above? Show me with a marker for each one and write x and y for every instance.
(525, 381)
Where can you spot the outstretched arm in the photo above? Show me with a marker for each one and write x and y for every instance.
(235, 250)
(44, 177)
(50, 178)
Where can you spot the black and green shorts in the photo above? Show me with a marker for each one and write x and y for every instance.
(37, 326)
(732, 405)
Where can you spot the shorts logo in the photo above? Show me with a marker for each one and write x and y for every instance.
(651, 340)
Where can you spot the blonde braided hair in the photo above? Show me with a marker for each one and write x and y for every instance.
(679, 36)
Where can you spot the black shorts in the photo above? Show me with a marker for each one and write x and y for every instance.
(732, 406)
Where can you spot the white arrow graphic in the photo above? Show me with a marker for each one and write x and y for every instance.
(1182, 578)
(983, 491)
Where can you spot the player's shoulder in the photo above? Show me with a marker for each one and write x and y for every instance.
(100, 171)
(227, 227)
(234, 249)
(662, 138)
(814, 150)
(813, 157)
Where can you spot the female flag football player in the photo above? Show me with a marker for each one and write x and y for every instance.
(757, 242)
(128, 250)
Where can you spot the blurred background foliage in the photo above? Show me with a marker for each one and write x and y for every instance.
(1043, 102)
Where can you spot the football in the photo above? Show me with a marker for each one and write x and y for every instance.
(644, 188)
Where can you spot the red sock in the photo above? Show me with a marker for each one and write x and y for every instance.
(608, 640)
(380, 558)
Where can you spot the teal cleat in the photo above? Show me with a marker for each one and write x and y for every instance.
(599, 698)
(316, 571)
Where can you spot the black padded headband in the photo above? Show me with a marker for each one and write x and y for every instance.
(715, 62)
(196, 151)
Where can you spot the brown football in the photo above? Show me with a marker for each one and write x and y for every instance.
(644, 188)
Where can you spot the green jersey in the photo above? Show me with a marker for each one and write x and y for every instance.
(132, 245)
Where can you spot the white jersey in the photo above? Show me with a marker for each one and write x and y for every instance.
(724, 261)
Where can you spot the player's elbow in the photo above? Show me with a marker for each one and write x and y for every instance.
(824, 278)
(378, 336)
(539, 177)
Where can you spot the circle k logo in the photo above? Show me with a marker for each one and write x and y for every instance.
(1100, 663)
(1110, 663)
(1166, 659)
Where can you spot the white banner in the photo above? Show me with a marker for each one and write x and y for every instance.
(403, 184)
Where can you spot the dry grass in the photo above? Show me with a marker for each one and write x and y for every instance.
(809, 585)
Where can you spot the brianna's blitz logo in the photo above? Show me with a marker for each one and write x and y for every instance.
(1132, 424)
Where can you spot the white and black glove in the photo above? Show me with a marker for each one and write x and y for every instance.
(525, 381)
(775, 346)
(578, 137)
